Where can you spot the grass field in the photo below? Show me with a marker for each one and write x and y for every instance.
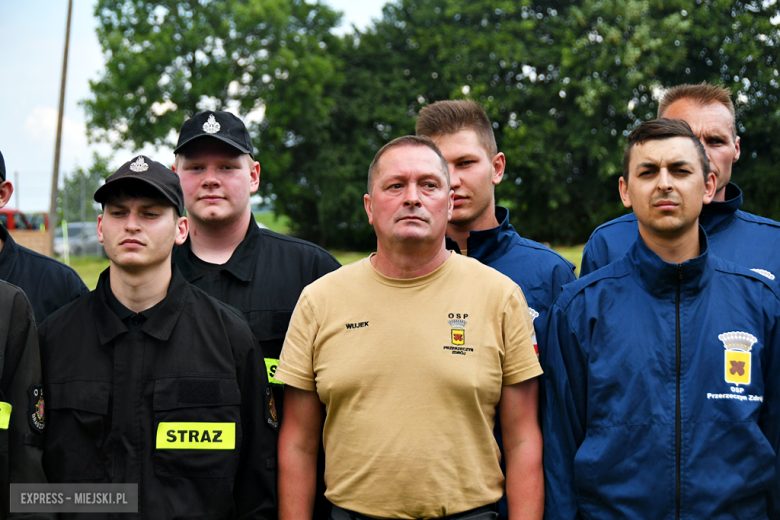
(90, 267)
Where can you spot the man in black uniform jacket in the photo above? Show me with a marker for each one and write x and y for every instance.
(149, 380)
(257, 271)
(48, 284)
(22, 418)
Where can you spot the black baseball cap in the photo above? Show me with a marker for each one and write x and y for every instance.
(150, 172)
(2, 168)
(220, 125)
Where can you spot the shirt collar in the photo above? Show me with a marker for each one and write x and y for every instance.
(241, 263)
(659, 278)
(160, 319)
(488, 244)
(715, 214)
(8, 255)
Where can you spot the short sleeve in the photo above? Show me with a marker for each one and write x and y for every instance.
(296, 359)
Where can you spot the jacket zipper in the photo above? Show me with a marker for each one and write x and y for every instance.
(678, 413)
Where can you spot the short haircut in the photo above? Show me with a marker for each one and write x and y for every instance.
(450, 117)
(407, 140)
(135, 189)
(701, 94)
(659, 129)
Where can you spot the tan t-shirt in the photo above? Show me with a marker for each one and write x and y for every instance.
(410, 372)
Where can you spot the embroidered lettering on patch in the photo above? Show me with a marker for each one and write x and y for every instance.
(196, 436)
(271, 365)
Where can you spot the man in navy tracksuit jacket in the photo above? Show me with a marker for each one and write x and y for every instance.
(734, 235)
(478, 227)
(662, 389)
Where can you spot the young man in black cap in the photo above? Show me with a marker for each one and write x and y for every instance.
(151, 381)
(47, 283)
(257, 271)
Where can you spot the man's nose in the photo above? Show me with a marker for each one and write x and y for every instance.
(454, 177)
(665, 180)
(412, 195)
(210, 178)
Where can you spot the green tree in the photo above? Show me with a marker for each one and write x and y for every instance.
(75, 198)
(267, 60)
(563, 81)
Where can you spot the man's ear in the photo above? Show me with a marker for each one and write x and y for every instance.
(100, 228)
(6, 190)
(369, 210)
(623, 188)
(182, 229)
(710, 187)
(254, 182)
(499, 166)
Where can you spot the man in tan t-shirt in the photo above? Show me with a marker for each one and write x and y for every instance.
(411, 350)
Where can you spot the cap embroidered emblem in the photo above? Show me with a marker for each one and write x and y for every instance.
(211, 126)
(764, 273)
(139, 165)
(737, 363)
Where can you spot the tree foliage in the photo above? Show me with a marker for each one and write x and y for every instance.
(563, 81)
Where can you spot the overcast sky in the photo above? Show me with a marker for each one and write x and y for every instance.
(32, 35)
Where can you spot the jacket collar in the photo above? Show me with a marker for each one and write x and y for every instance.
(659, 278)
(718, 214)
(241, 263)
(159, 325)
(8, 255)
(488, 244)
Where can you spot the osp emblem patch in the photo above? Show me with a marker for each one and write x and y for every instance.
(458, 334)
(737, 356)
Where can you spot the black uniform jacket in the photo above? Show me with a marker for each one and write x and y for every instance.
(20, 366)
(179, 405)
(263, 279)
(48, 284)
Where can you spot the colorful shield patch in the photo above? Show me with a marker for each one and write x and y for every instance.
(737, 367)
(458, 336)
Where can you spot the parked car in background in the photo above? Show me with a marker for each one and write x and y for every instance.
(12, 219)
(82, 240)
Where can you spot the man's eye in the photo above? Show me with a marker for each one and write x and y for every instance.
(464, 164)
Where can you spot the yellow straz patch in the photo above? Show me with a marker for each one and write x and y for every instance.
(5, 415)
(271, 365)
(196, 436)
